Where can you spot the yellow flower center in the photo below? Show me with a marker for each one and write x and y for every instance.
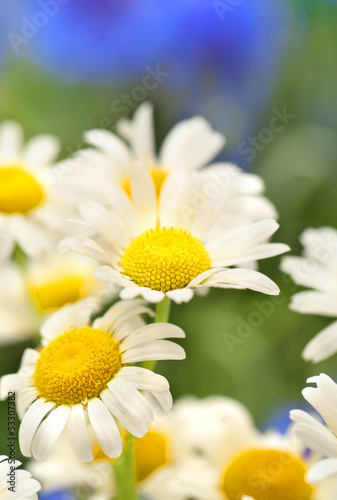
(158, 175)
(76, 366)
(59, 291)
(266, 475)
(19, 191)
(151, 453)
(165, 259)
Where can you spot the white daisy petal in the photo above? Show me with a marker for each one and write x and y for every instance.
(9, 383)
(11, 139)
(323, 345)
(315, 303)
(78, 434)
(70, 316)
(164, 398)
(242, 278)
(132, 401)
(41, 150)
(130, 292)
(30, 423)
(309, 272)
(159, 349)
(25, 399)
(170, 197)
(143, 379)
(144, 198)
(105, 428)
(322, 470)
(313, 434)
(30, 357)
(119, 312)
(241, 241)
(180, 296)
(110, 144)
(29, 236)
(153, 296)
(49, 431)
(130, 421)
(257, 253)
(142, 138)
(323, 398)
(148, 333)
(190, 144)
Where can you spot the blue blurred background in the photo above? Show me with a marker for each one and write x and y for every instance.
(72, 65)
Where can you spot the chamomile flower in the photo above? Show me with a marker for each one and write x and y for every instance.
(257, 472)
(30, 209)
(83, 373)
(16, 483)
(114, 159)
(155, 248)
(45, 285)
(251, 465)
(319, 438)
(317, 269)
(188, 147)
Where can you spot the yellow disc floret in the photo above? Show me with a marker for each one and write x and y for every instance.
(151, 453)
(20, 192)
(158, 175)
(165, 259)
(266, 474)
(76, 366)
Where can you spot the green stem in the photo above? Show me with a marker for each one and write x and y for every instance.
(163, 311)
(125, 471)
(162, 316)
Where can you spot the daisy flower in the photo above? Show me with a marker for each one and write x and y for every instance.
(114, 159)
(316, 436)
(188, 147)
(16, 483)
(29, 207)
(155, 248)
(82, 374)
(255, 473)
(45, 285)
(251, 465)
(317, 269)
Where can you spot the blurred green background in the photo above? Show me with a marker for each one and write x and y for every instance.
(265, 370)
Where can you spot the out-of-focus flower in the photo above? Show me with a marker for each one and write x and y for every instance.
(225, 457)
(45, 285)
(159, 245)
(199, 432)
(181, 457)
(317, 269)
(189, 146)
(16, 484)
(83, 372)
(30, 210)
